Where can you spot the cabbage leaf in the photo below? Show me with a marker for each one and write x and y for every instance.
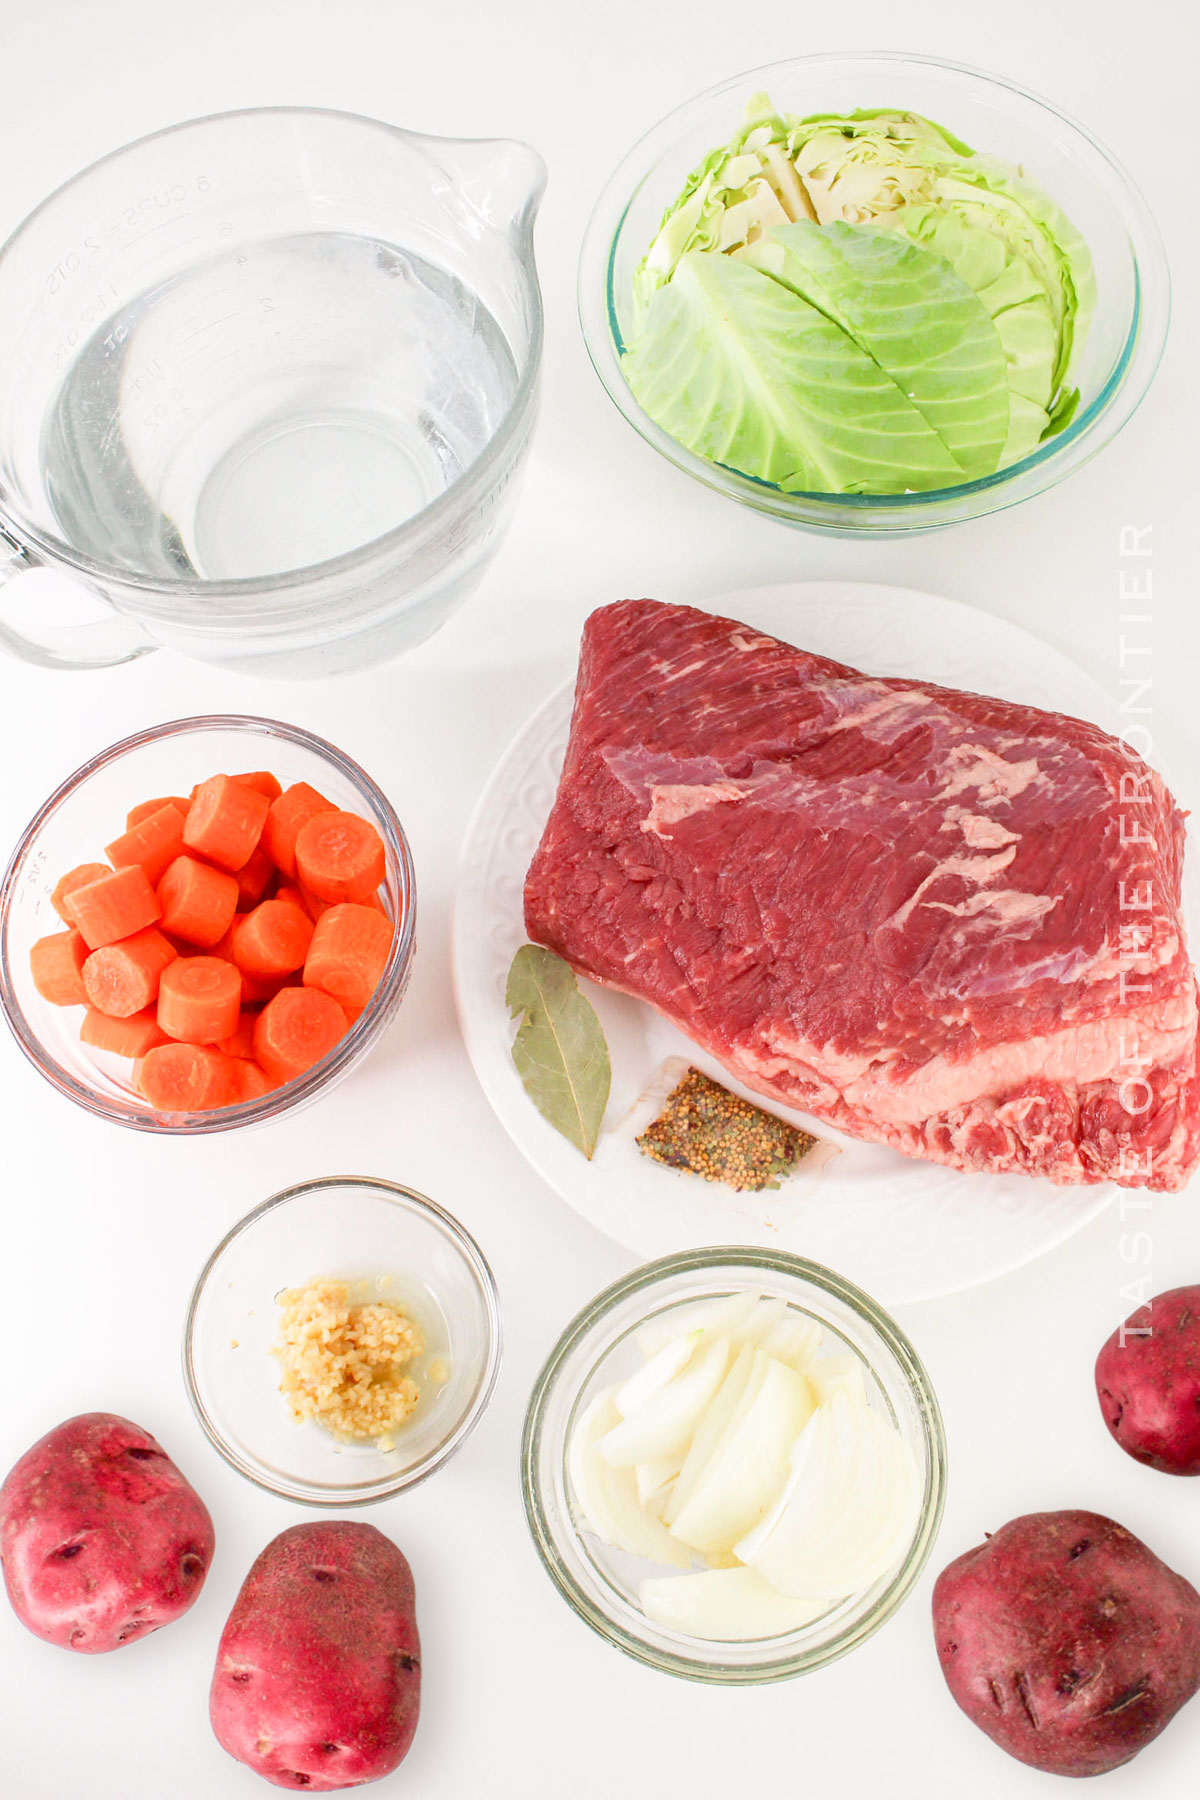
(914, 316)
(741, 369)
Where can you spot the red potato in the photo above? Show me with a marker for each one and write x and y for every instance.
(102, 1540)
(1067, 1641)
(317, 1684)
(1148, 1383)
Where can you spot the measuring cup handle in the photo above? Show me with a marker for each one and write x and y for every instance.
(98, 645)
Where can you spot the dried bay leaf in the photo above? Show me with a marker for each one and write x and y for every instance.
(559, 1051)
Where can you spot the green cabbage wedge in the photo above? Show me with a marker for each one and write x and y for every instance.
(859, 305)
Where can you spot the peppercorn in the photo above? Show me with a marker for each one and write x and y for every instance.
(707, 1131)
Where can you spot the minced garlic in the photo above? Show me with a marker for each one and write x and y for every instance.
(343, 1363)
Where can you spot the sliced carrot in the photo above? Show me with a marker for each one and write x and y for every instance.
(247, 1083)
(242, 1041)
(198, 902)
(295, 1030)
(314, 907)
(153, 843)
(254, 880)
(263, 780)
(113, 906)
(123, 1037)
(179, 1078)
(136, 814)
(75, 878)
(122, 979)
(254, 989)
(56, 965)
(293, 896)
(340, 856)
(199, 999)
(294, 808)
(349, 950)
(271, 940)
(225, 821)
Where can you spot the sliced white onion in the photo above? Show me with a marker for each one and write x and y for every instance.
(720, 1412)
(607, 1498)
(668, 1419)
(849, 1506)
(829, 1375)
(795, 1340)
(741, 1445)
(724, 1605)
(748, 1466)
(716, 1318)
(655, 1374)
(761, 1322)
(653, 1477)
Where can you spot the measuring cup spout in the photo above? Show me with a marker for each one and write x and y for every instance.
(504, 181)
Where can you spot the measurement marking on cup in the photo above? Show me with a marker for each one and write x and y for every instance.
(163, 225)
(211, 325)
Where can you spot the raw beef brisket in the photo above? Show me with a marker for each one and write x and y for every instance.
(942, 922)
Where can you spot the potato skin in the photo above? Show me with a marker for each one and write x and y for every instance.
(1067, 1641)
(1149, 1385)
(318, 1677)
(102, 1540)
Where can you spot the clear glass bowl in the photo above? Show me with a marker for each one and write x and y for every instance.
(348, 1228)
(87, 812)
(993, 116)
(596, 1349)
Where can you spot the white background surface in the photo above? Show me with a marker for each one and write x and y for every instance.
(105, 1230)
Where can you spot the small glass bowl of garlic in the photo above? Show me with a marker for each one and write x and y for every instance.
(733, 1465)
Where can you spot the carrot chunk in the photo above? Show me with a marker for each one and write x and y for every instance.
(349, 950)
(198, 902)
(312, 909)
(247, 1083)
(225, 821)
(75, 878)
(113, 906)
(294, 807)
(242, 1042)
(271, 940)
(177, 1078)
(56, 964)
(136, 814)
(153, 843)
(123, 1037)
(255, 988)
(295, 1030)
(199, 999)
(263, 780)
(122, 979)
(254, 880)
(340, 857)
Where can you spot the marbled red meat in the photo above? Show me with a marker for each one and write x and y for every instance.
(912, 912)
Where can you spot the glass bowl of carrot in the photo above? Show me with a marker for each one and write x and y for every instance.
(206, 925)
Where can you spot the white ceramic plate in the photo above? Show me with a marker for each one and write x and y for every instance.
(903, 1230)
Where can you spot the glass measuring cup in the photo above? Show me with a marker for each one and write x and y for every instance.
(265, 381)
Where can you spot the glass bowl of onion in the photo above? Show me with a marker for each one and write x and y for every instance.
(733, 1465)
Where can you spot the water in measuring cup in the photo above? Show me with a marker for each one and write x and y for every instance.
(270, 408)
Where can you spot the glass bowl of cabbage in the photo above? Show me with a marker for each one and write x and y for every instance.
(733, 1466)
(873, 294)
